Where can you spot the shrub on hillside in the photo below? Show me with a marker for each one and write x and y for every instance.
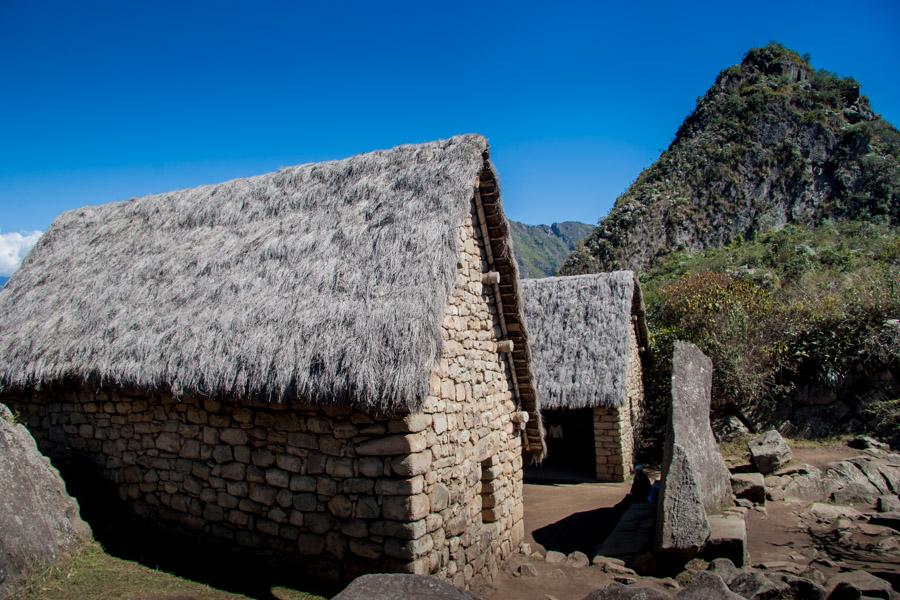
(789, 308)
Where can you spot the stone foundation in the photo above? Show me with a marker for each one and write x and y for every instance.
(336, 491)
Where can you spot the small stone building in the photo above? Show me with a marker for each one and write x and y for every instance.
(588, 339)
(326, 364)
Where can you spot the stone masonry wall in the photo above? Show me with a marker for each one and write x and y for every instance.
(334, 491)
(475, 481)
(615, 428)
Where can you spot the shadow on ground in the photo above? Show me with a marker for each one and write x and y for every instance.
(124, 536)
(582, 531)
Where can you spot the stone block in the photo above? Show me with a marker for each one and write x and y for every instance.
(262, 458)
(408, 549)
(769, 452)
(405, 508)
(302, 483)
(412, 464)
(404, 531)
(234, 437)
(278, 478)
(439, 497)
(751, 486)
(341, 507)
(305, 502)
(233, 471)
(727, 539)
(400, 487)
(392, 445)
(168, 442)
(707, 586)
(339, 467)
(555, 558)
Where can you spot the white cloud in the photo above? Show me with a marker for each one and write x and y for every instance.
(13, 248)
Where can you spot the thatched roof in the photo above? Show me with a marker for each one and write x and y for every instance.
(578, 334)
(323, 282)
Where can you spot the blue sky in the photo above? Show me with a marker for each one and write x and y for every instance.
(101, 101)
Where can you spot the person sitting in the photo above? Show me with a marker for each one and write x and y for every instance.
(640, 488)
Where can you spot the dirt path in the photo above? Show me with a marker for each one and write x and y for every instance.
(577, 516)
(565, 518)
(820, 456)
(570, 517)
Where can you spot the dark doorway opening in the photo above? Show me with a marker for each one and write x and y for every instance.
(570, 447)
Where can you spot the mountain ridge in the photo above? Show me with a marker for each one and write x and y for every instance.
(541, 249)
(772, 142)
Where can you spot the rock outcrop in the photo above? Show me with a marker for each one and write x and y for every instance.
(39, 521)
(617, 591)
(863, 479)
(858, 584)
(385, 586)
(772, 142)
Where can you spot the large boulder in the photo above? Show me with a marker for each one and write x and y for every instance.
(707, 586)
(754, 584)
(858, 584)
(39, 521)
(397, 586)
(695, 479)
(769, 452)
(617, 591)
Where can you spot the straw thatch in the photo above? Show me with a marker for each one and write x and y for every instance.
(324, 282)
(578, 333)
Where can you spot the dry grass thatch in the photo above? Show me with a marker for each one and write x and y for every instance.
(325, 282)
(578, 333)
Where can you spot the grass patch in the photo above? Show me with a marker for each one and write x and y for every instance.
(92, 574)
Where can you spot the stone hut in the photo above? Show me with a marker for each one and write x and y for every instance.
(588, 339)
(326, 364)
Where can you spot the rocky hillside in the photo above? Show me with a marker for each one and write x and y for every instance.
(772, 142)
(541, 249)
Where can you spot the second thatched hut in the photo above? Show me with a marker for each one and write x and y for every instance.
(588, 339)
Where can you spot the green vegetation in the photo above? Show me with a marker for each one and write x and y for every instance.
(773, 141)
(787, 308)
(92, 574)
(540, 249)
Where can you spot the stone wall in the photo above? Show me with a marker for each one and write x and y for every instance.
(475, 481)
(615, 429)
(335, 491)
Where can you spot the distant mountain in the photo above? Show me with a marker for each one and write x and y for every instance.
(3, 281)
(541, 249)
(773, 142)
